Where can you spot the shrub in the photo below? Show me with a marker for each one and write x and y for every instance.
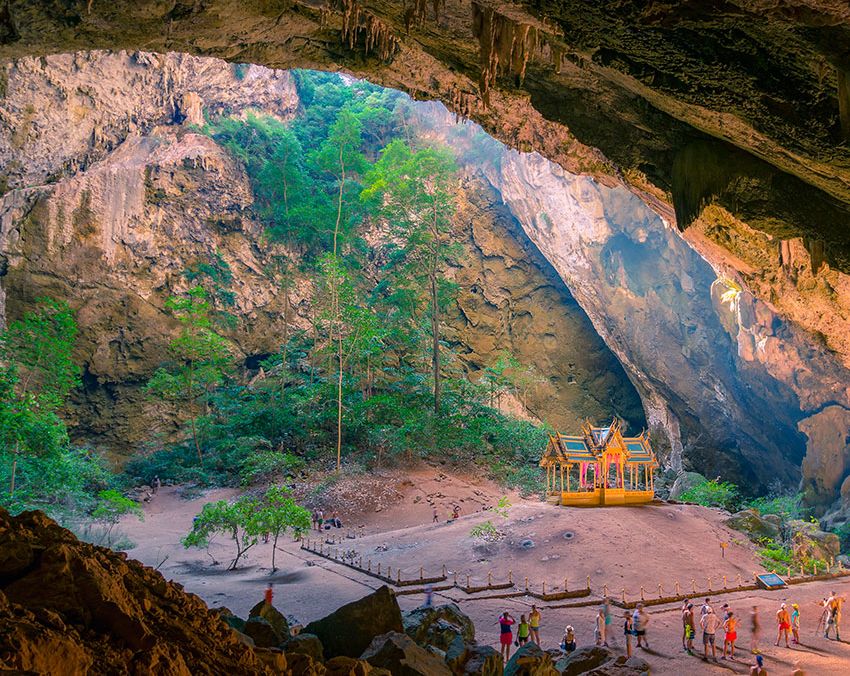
(714, 494)
(786, 506)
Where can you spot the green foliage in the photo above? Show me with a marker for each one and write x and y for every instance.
(112, 506)
(843, 533)
(788, 506)
(776, 555)
(201, 359)
(714, 494)
(485, 531)
(244, 519)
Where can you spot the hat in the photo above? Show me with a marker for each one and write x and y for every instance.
(760, 660)
(569, 627)
(783, 606)
(795, 606)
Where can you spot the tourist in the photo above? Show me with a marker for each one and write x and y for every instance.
(436, 516)
(321, 519)
(429, 596)
(824, 615)
(522, 631)
(640, 618)
(599, 629)
(726, 613)
(690, 627)
(833, 605)
(315, 518)
(755, 630)
(705, 607)
(506, 636)
(758, 668)
(156, 484)
(606, 606)
(269, 595)
(709, 624)
(730, 627)
(795, 623)
(684, 612)
(568, 644)
(534, 624)
(455, 513)
(783, 620)
(627, 632)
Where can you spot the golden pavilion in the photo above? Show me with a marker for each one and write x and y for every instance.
(600, 467)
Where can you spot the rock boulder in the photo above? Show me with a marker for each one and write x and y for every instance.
(349, 630)
(530, 660)
(399, 654)
(750, 522)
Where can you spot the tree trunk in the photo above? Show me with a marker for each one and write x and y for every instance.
(195, 439)
(14, 467)
(274, 550)
(339, 404)
(435, 334)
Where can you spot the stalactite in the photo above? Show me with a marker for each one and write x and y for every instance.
(508, 46)
(363, 30)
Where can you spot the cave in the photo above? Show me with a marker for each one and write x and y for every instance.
(649, 224)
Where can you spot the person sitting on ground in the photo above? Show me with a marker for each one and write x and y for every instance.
(599, 629)
(568, 644)
(522, 631)
(506, 636)
(730, 626)
(758, 668)
(709, 623)
(783, 620)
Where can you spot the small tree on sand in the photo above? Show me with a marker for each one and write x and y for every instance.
(278, 512)
(238, 519)
(110, 508)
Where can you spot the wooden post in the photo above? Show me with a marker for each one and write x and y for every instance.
(369, 566)
(588, 581)
(489, 578)
(562, 477)
(510, 577)
(641, 593)
(709, 583)
(526, 584)
(421, 573)
(694, 586)
(544, 588)
(623, 592)
(444, 570)
(566, 589)
(660, 591)
(724, 582)
(389, 571)
(677, 588)
(379, 569)
(398, 575)
(802, 572)
(455, 579)
(467, 581)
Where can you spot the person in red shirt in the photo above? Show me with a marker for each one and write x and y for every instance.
(269, 595)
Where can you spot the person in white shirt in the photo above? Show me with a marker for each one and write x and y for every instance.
(640, 619)
(599, 630)
(709, 623)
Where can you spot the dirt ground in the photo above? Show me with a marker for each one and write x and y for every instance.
(390, 516)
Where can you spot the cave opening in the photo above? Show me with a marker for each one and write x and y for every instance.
(304, 299)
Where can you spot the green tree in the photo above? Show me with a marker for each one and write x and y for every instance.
(37, 372)
(111, 506)
(201, 359)
(414, 191)
(279, 512)
(238, 519)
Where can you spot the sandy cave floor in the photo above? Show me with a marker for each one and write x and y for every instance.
(391, 514)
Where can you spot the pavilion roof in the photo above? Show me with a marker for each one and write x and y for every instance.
(589, 447)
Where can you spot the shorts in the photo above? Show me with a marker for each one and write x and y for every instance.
(689, 632)
(707, 638)
(506, 639)
(731, 636)
(640, 632)
(784, 626)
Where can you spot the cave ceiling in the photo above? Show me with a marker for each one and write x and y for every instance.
(744, 104)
